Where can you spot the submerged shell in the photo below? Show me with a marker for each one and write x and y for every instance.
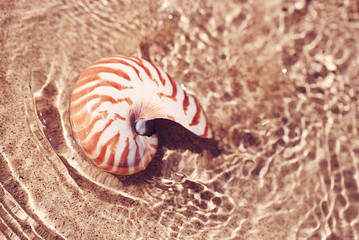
(111, 95)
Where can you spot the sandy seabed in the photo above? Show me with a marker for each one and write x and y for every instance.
(278, 80)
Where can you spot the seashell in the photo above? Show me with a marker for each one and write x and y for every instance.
(112, 103)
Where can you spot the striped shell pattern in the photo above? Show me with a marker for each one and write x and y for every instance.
(112, 96)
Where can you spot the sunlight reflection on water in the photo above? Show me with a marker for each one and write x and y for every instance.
(278, 82)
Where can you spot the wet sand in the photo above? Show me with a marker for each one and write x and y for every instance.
(278, 82)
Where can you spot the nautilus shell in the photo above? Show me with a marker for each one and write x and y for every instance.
(111, 107)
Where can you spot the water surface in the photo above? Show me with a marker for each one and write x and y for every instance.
(278, 81)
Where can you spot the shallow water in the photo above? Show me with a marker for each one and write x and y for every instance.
(278, 81)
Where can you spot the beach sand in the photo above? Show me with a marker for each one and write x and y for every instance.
(278, 81)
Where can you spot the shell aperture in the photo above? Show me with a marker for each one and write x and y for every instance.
(112, 103)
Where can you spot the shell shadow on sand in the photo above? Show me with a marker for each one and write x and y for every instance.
(172, 135)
